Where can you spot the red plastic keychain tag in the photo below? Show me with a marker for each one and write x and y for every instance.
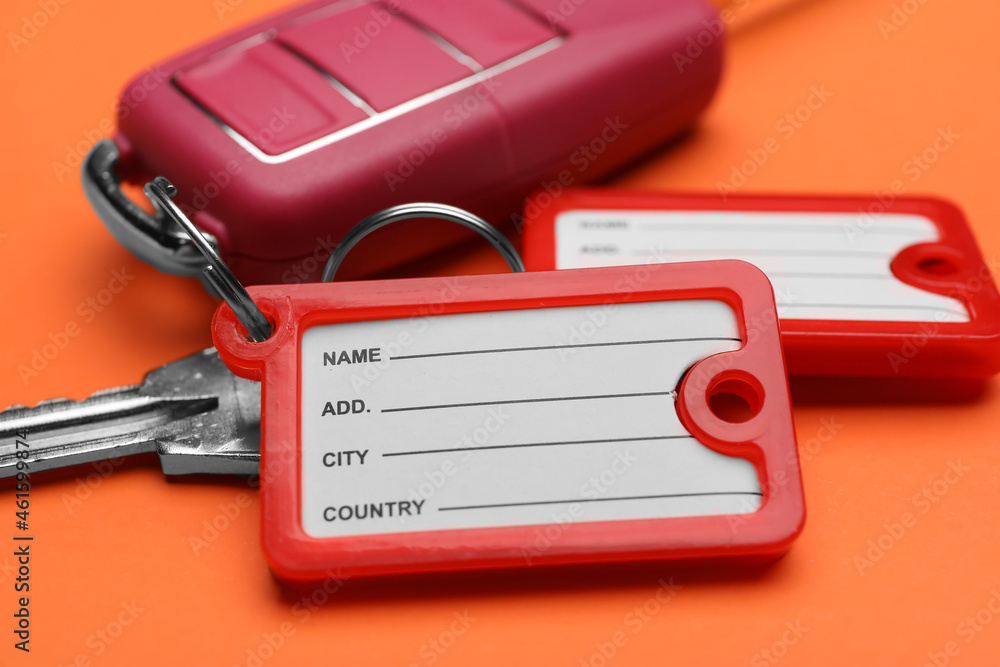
(525, 419)
(861, 289)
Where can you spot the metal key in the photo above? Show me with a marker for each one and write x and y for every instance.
(194, 413)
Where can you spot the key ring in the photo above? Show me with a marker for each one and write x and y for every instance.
(160, 191)
(421, 210)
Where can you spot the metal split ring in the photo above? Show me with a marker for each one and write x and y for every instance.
(161, 191)
(421, 210)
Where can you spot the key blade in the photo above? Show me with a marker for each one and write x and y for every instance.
(194, 413)
(106, 425)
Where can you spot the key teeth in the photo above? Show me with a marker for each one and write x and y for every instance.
(49, 403)
(52, 402)
(21, 407)
(113, 390)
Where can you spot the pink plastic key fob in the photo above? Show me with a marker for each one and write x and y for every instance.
(283, 134)
(861, 289)
(525, 419)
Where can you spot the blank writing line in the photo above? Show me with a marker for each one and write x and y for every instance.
(838, 276)
(791, 226)
(538, 444)
(529, 400)
(888, 306)
(601, 500)
(737, 253)
(563, 347)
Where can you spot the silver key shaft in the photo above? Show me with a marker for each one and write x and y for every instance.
(194, 413)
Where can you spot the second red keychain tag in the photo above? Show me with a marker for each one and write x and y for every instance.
(862, 288)
(526, 419)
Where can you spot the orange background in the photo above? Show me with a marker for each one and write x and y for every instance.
(127, 540)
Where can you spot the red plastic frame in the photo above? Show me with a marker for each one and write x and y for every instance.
(767, 439)
(837, 347)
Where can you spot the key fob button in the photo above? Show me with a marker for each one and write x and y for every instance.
(489, 31)
(380, 56)
(269, 96)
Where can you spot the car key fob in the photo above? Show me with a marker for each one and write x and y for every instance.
(284, 133)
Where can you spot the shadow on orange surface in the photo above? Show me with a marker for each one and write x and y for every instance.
(831, 391)
(516, 582)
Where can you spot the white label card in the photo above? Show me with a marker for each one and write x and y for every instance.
(511, 418)
(823, 266)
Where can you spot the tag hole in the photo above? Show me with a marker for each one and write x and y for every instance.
(735, 400)
(242, 332)
(938, 266)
